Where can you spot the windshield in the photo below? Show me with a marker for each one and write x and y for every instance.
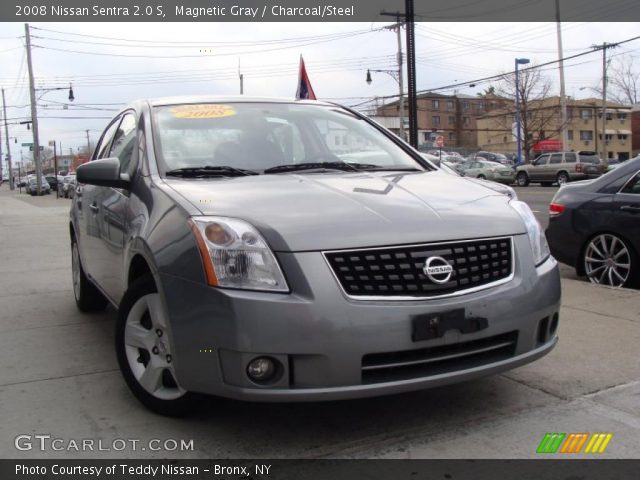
(259, 136)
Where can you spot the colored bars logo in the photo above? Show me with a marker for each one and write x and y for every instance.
(573, 443)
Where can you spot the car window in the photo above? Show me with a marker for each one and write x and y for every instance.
(124, 141)
(593, 159)
(541, 160)
(102, 148)
(555, 158)
(633, 186)
(570, 158)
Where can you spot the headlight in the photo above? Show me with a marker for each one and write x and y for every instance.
(534, 231)
(236, 256)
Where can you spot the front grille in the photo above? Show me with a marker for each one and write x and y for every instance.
(398, 271)
(426, 362)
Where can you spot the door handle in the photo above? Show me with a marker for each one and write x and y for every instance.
(630, 208)
(94, 208)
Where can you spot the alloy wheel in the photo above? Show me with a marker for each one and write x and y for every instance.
(148, 348)
(607, 261)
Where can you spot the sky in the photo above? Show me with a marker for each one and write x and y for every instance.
(111, 64)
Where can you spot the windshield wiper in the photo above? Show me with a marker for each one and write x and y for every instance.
(210, 171)
(344, 166)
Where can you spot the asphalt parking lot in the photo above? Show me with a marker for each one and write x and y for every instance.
(60, 377)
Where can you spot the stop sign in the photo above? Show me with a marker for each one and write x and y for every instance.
(439, 141)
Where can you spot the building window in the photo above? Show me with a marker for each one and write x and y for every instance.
(622, 136)
(465, 105)
(435, 120)
(435, 104)
(451, 136)
(622, 116)
(586, 114)
(466, 121)
(504, 139)
(608, 137)
(452, 120)
(569, 134)
(480, 106)
(450, 105)
(586, 135)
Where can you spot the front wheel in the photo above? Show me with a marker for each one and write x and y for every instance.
(608, 260)
(145, 351)
(562, 178)
(481, 177)
(522, 179)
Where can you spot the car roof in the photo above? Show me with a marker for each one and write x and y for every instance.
(194, 99)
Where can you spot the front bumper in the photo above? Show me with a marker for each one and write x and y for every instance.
(321, 337)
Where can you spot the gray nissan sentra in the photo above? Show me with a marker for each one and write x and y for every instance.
(278, 250)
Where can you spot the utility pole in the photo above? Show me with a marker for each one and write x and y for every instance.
(409, 18)
(5, 122)
(397, 27)
(12, 184)
(34, 111)
(604, 48)
(241, 77)
(563, 97)
(411, 73)
(88, 144)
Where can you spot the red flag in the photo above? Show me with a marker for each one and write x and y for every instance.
(305, 90)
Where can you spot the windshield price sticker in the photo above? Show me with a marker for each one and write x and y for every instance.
(203, 111)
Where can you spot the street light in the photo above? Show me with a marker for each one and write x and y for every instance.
(397, 76)
(519, 61)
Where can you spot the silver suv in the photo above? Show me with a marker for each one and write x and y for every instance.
(560, 168)
(279, 250)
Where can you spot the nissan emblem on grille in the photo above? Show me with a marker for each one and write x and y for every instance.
(438, 270)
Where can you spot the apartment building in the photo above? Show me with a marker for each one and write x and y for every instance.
(453, 117)
(584, 128)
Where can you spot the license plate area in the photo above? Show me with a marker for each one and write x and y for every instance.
(434, 325)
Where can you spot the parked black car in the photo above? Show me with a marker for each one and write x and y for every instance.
(594, 225)
(53, 182)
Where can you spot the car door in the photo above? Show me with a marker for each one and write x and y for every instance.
(112, 205)
(87, 211)
(626, 210)
(536, 173)
(550, 172)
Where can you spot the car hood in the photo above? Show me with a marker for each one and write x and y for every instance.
(326, 211)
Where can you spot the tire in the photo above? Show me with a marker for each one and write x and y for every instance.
(522, 179)
(609, 260)
(88, 297)
(143, 347)
(481, 177)
(562, 178)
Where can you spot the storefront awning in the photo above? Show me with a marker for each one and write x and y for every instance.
(624, 132)
(549, 145)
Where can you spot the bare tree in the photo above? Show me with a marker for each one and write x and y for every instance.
(540, 117)
(624, 83)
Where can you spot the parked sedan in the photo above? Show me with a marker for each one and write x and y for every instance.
(486, 170)
(68, 186)
(252, 257)
(32, 187)
(594, 225)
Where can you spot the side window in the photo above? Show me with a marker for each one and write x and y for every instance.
(570, 158)
(124, 141)
(542, 160)
(556, 158)
(633, 187)
(105, 141)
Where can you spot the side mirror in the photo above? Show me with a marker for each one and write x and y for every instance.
(104, 172)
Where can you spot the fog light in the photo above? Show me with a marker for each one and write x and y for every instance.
(261, 369)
